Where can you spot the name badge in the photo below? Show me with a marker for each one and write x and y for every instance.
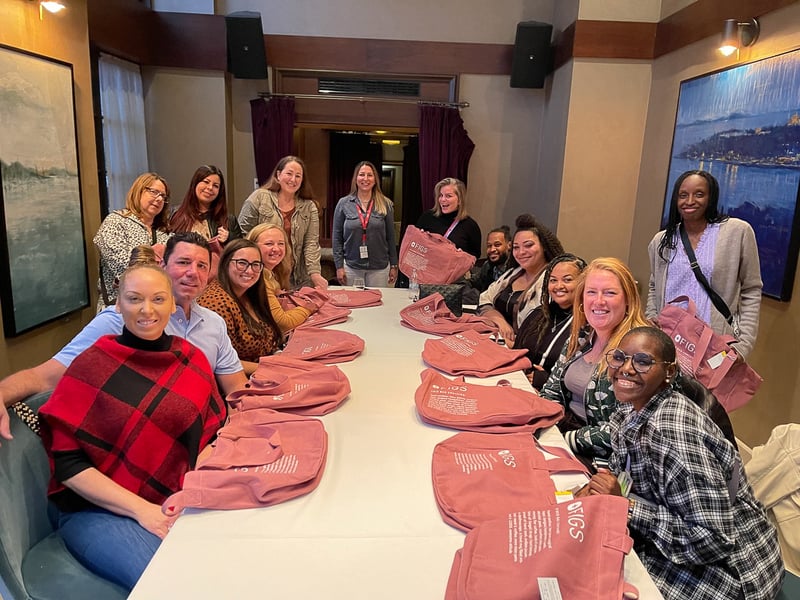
(362, 251)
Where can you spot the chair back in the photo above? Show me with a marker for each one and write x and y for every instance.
(705, 399)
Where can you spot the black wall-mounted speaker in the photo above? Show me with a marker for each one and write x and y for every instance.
(533, 58)
(246, 56)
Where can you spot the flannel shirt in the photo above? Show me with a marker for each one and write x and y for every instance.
(594, 438)
(693, 539)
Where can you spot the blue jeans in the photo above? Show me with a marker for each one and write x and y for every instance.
(116, 548)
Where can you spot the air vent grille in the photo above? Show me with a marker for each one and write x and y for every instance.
(369, 87)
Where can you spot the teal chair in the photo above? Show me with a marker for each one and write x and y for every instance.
(34, 562)
(790, 589)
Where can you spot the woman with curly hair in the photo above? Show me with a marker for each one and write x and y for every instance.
(510, 299)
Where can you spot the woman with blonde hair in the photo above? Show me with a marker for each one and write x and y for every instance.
(142, 221)
(276, 254)
(605, 308)
(287, 200)
(363, 232)
(449, 217)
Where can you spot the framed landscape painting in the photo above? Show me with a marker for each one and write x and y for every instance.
(42, 252)
(742, 125)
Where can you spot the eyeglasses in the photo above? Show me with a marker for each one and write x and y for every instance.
(642, 361)
(157, 194)
(241, 265)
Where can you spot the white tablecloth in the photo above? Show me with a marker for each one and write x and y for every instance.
(370, 530)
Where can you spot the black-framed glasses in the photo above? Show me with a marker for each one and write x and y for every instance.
(157, 194)
(241, 265)
(642, 361)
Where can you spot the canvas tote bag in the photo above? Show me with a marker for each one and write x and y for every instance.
(488, 409)
(323, 345)
(431, 315)
(290, 384)
(470, 353)
(261, 457)
(355, 298)
(482, 476)
(433, 257)
(707, 356)
(573, 550)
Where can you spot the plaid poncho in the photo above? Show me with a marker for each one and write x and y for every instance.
(139, 416)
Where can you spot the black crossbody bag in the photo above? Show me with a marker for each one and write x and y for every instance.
(716, 300)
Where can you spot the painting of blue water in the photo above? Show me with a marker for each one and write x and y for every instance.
(743, 126)
(42, 251)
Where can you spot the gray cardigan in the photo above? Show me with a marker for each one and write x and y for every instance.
(736, 277)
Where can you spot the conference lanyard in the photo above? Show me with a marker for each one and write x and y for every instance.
(364, 218)
(450, 229)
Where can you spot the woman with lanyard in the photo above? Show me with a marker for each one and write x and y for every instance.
(449, 217)
(363, 232)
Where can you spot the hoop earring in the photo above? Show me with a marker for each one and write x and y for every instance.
(580, 307)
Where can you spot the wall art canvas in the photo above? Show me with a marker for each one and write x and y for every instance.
(42, 252)
(742, 125)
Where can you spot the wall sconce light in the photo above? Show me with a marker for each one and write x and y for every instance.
(52, 6)
(738, 34)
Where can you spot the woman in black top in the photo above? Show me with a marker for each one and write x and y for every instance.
(449, 217)
(545, 331)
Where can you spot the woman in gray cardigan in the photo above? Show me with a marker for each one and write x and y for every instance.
(726, 251)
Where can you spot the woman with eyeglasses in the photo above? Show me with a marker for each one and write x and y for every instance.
(695, 522)
(204, 209)
(143, 221)
(276, 254)
(239, 296)
(605, 308)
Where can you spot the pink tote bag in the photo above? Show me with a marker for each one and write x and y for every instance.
(484, 408)
(482, 476)
(470, 353)
(708, 356)
(431, 315)
(573, 550)
(262, 457)
(290, 384)
(433, 257)
(323, 345)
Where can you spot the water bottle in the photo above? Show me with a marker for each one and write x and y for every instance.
(413, 287)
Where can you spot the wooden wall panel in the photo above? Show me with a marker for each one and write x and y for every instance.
(614, 39)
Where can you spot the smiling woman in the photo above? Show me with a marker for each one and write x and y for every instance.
(204, 208)
(606, 306)
(239, 296)
(143, 221)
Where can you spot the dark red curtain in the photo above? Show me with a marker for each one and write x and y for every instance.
(444, 148)
(346, 151)
(273, 129)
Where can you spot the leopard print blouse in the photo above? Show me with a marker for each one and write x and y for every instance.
(248, 346)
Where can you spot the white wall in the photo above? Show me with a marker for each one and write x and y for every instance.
(648, 11)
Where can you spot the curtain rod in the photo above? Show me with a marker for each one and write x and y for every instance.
(268, 95)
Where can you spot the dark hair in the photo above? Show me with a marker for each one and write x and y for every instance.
(669, 241)
(541, 320)
(256, 293)
(187, 237)
(189, 211)
(550, 244)
(273, 185)
(666, 347)
(504, 229)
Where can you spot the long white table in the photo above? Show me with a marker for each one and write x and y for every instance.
(370, 530)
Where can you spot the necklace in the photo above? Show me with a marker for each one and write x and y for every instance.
(558, 323)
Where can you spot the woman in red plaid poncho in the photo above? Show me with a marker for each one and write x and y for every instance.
(123, 426)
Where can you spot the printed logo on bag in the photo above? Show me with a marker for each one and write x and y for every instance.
(420, 247)
(508, 458)
(576, 520)
(681, 341)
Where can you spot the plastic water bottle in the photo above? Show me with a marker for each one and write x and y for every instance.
(413, 287)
